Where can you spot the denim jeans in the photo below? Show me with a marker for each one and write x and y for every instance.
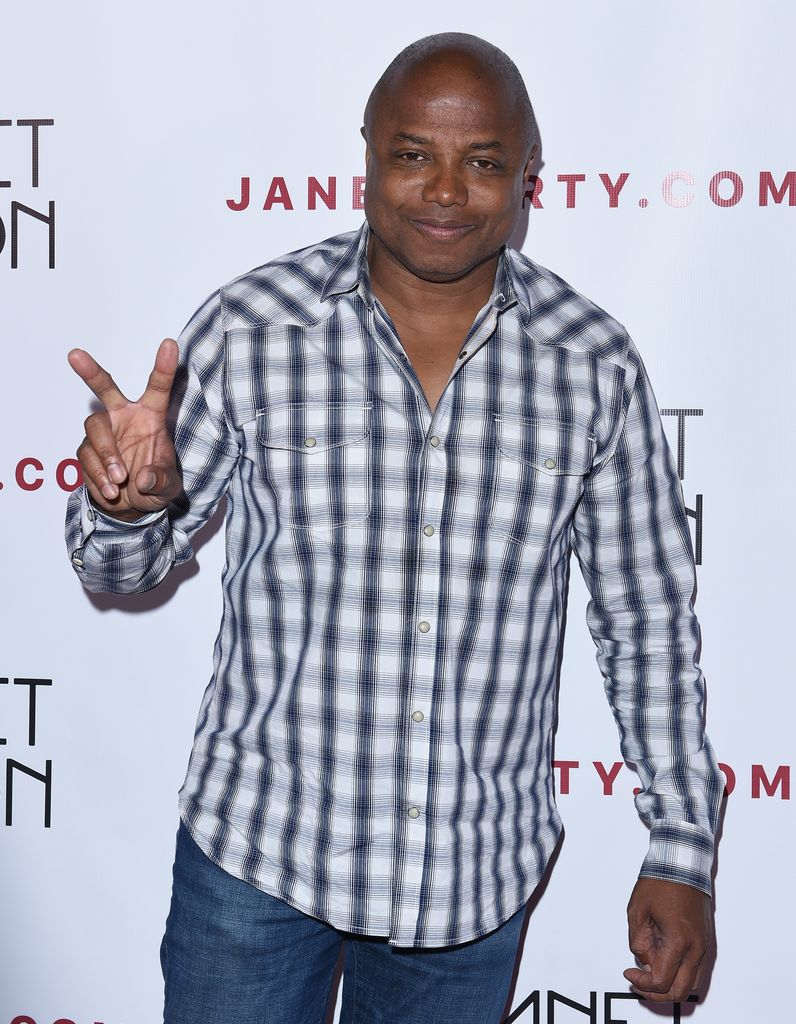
(235, 955)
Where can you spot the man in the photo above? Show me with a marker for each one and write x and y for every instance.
(413, 425)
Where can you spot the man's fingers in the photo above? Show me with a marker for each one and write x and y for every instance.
(669, 976)
(685, 981)
(661, 960)
(688, 978)
(100, 436)
(100, 486)
(658, 980)
(700, 973)
(644, 983)
(97, 378)
(158, 388)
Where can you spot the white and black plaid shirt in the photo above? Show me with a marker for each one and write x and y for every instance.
(374, 746)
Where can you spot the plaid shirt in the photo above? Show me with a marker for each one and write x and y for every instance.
(374, 746)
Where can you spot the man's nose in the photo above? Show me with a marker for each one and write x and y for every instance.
(445, 185)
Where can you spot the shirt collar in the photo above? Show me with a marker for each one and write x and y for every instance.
(352, 270)
(352, 274)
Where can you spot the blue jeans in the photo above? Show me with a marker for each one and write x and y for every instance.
(235, 955)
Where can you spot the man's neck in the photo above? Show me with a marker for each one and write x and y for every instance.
(412, 300)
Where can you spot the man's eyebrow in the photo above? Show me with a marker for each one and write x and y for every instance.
(418, 140)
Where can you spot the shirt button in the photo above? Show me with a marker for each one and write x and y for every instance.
(428, 530)
(417, 716)
(414, 812)
(463, 353)
(90, 515)
(310, 442)
(550, 463)
(434, 441)
(77, 561)
(424, 626)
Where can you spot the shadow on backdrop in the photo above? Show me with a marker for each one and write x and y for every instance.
(163, 592)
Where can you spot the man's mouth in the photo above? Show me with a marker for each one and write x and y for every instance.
(447, 230)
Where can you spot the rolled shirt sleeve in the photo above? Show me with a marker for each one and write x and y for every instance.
(632, 540)
(131, 557)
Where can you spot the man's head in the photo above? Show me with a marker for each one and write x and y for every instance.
(450, 136)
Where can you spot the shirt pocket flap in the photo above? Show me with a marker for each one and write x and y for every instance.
(552, 447)
(313, 427)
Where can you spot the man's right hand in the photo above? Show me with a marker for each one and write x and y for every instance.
(127, 456)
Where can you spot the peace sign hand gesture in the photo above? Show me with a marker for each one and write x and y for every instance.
(127, 455)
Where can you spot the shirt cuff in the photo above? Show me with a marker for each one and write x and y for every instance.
(680, 852)
(93, 521)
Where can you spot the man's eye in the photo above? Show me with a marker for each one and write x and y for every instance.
(485, 165)
(410, 157)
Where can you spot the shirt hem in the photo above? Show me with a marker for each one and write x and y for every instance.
(300, 905)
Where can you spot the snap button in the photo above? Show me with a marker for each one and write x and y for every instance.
(550, 463)
(414, 812)
(428, 530)
(424, 626)
(434, 441)
(310, 442)
(417, 716)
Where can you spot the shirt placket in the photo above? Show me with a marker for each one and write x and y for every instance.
(424, 625)
(417, 709)
(410, 831)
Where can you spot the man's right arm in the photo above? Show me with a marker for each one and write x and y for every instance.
(132, 550)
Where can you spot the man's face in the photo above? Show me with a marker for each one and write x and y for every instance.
(447, 163)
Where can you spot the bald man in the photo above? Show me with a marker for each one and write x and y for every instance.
(414, 425)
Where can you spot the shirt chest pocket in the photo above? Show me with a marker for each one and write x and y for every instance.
(541, 466)
(314, 457)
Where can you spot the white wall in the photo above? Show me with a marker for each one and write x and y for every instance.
(159, 110)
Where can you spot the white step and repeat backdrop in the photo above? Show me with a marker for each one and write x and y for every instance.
(150, 152)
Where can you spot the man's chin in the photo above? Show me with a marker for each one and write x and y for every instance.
(436, 276)
(443, 270)
(443, 266)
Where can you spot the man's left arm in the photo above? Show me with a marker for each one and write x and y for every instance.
(633, 543)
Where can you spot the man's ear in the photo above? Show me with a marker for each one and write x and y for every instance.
(364, 135)
(529, 162)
